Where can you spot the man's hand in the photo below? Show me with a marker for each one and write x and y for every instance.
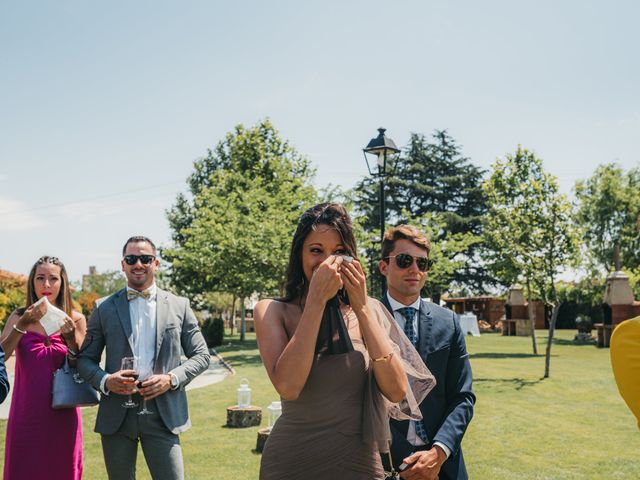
(121, 382)
(155, 385)
(425, 465)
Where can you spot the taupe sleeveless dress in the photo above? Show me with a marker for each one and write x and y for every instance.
(319, 435)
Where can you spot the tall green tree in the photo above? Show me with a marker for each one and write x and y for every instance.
(608, 211)
(233, 232)
(529, 230)
(449, 253)
(432, 176)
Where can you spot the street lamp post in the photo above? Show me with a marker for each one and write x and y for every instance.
(384, 149)
(372, 265)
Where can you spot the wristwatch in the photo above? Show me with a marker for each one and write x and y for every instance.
(175, 383)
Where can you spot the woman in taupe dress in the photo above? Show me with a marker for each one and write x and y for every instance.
(328, 350)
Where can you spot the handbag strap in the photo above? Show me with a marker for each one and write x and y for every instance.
(65, 366)
(393, 474)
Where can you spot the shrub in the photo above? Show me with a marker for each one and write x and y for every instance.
(580, 299)
(584, 324)
(12, 296)
(213, 331)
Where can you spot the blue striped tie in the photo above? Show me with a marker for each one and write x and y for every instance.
(409, 314)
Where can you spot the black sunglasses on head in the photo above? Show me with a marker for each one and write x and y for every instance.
(144, 259)
(404, 260)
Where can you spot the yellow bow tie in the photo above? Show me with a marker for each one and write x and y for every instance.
(133, 294)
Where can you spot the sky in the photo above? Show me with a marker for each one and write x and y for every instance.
(104, 106)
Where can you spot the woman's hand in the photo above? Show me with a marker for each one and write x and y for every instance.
(326, 280)
(355, 283)
(31, 315)
(68, 329)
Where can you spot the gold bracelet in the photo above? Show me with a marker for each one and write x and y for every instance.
(383, 359)
(18, 330)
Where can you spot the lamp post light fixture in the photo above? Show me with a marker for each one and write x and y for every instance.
(385, 151)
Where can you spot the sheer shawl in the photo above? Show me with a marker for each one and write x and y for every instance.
(377, 408)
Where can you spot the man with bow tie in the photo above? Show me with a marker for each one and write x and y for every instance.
(154, 326)
(431, 447)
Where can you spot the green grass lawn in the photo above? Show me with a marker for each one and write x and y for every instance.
(573, 425)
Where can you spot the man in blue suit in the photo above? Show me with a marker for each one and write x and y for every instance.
(432, 446)
(4, 379)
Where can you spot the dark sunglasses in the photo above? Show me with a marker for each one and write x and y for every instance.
(144, 259)
(404, 260)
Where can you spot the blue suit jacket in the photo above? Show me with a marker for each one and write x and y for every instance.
(4, 380)
(448, 408)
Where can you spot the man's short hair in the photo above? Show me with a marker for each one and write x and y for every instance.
(404, 232)
(136, 239)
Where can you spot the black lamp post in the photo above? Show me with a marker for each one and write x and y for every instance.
(384, 149)
(372, 264)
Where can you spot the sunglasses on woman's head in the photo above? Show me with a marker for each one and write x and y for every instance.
(46, 259)
(404, 260)
(133, 259)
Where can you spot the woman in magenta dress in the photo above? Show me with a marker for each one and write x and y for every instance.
(42, 442)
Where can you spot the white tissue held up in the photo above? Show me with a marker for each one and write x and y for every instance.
(53, 319)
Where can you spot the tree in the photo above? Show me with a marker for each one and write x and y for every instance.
(98, 286)
(448, 254)
(433, 177)
(529, 230)
(12, 295)
(234, 232)
(87, 301)
(105, 283)
(608, 210)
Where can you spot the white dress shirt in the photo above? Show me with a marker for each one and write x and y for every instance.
(143, 327)
(412, 436)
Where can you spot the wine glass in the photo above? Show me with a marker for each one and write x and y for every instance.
(145, 373)
(130, 363)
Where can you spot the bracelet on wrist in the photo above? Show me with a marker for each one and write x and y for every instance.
(71, 353)
(385, 358)
(15, 327)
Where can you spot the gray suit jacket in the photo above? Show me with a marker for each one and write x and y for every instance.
(177, 330)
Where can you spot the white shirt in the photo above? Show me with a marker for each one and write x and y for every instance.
(395, 306)
(412, 436)
(143, 327)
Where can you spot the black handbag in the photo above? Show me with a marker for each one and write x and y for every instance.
(70, 390)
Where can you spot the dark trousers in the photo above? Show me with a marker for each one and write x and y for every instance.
(160, 447)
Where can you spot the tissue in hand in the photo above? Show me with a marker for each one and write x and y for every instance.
(53, 319)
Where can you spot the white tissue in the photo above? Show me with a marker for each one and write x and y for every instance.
(53, 319)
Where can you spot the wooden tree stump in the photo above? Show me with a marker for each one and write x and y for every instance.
(263, 436)
(242, 417)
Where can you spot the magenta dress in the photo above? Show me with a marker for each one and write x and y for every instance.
(41, 442)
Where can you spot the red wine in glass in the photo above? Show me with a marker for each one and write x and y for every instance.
(130, 363)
